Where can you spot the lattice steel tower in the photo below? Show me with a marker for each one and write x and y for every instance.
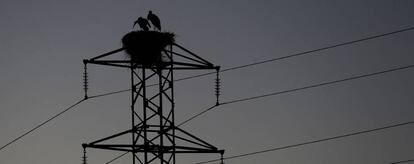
(154, 136)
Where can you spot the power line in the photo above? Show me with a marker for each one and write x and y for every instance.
(302, 88)
(40, 125)
(117, 158)
(313, 142)
(195, 116)
(324, 48)
(109, 93)
(406, 161)
(285, 57)
(53, 117)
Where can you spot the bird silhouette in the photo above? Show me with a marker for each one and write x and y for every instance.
(143, 24)
(154, 20)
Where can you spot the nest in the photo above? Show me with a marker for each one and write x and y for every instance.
(146, 47)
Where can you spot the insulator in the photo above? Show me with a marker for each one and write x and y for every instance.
(85, 81)
(84, 161)
(221, 159)
(217, 87)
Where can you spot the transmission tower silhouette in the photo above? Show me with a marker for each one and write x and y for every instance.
(154, 136)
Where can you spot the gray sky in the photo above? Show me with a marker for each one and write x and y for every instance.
(43, 42)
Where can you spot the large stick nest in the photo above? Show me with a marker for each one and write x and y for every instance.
(146, 47)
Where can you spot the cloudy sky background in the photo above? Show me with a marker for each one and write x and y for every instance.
(42, 44)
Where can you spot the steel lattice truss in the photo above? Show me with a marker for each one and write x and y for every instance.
(155, 138)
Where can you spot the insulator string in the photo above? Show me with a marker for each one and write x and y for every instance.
(85, 80)
(84, 156)
(217, 87)
(221, 158)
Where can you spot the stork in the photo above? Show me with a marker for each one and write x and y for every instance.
(154, 20)
(143, 23)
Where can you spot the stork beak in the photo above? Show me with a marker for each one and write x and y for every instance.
(134, 24)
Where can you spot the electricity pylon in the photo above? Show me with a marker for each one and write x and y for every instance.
(154, 136)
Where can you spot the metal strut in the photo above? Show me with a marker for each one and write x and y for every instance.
(217, 87)
(85, 79)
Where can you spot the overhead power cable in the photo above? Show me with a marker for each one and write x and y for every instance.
(405, 161)
(117, 157)
(313, 141)
(302, 88)
(40, 125)
(195, 116)
(308, 52)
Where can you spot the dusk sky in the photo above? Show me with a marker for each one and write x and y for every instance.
(43, 43)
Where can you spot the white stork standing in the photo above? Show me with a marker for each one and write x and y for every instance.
(154, 20)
